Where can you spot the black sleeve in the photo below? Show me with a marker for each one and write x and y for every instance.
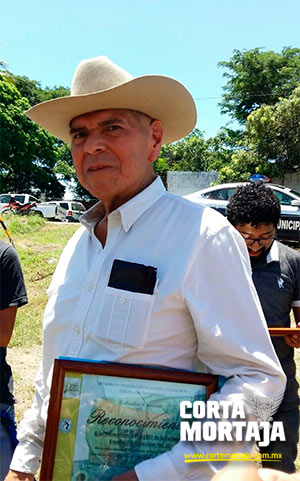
(12, 287)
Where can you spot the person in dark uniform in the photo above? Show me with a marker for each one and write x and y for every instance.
(254, 210)
(12, 296)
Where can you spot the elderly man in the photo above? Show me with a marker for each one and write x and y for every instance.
(116, 125)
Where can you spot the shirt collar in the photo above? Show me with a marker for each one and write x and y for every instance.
(130, 211)
(273, 255)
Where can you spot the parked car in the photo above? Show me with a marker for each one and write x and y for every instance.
(6, 199)
(44, 209)
(289, 225)
(51, 211)
(74, 209)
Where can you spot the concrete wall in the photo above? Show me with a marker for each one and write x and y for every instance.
(183, 183)
(291, 180)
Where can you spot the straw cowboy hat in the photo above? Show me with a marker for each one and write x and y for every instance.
(100, 84)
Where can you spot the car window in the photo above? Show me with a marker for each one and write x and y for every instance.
(64, 205)
(20, 198)
(220, 194)
(284, 199)
(5, 198)
(32, 199)
(78, 206)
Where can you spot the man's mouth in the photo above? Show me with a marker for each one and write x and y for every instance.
(255, 253)
(99, 167)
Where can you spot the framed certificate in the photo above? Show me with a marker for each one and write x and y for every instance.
(105, 418)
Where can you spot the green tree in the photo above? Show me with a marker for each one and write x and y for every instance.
(33, 91)
(256, 78)
(273, 133)
(28, 154)
(243, 163)
(223, 146)
(189, 153)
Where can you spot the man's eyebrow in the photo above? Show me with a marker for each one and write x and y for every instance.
(111, 121)
(74, 130)
(103, 123)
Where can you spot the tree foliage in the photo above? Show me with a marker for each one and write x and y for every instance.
(188, 154)
(33, 91)
(274, 133)
(28, 154)
(256, 78)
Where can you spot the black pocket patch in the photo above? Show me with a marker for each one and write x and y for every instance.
(132, 277)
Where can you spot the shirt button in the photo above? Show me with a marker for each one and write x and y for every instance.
(122, 300)
(77, 330)
(89, 287)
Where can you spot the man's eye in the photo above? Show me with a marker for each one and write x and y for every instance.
(79, 135)
(113, 128)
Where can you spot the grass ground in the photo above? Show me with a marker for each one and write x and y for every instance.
(39, 245)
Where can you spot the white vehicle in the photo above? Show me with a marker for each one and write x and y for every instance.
(74, 209)
(44, 209)
(51, 210)
(5, 199)
(289, 225)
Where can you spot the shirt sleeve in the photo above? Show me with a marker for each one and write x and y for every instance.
(12, 286)
(233, 341)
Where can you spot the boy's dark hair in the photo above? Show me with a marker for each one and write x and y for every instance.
(254, 204)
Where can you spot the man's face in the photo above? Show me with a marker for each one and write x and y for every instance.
(113, 151)
(258, 238)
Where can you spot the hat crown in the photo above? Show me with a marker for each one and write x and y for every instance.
(98, 74)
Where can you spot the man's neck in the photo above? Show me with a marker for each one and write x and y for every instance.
(101, 227)
(113, 203)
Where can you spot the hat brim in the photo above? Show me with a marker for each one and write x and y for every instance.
(161, 98)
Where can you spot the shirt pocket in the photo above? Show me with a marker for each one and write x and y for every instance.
(126, 318)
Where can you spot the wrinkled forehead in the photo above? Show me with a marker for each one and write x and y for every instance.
(116, 113)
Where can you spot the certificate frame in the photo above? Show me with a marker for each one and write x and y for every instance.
(157, 379)
(283, 331)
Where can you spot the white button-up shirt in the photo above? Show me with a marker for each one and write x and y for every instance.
(204, 308)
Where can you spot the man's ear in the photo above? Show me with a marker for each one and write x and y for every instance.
(156, 140)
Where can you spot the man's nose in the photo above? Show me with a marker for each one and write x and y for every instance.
(94, 142)
(255, 246)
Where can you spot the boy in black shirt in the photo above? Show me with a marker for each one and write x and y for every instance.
(12, 296)
(254, 210)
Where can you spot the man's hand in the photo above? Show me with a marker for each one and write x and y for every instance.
(18, 476)
(294, 340)
(127, 476)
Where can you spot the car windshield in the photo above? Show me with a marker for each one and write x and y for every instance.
(77, 206)
(20, 198)
(295, 193)
(220, 194)
(64, 205)
(5, 198)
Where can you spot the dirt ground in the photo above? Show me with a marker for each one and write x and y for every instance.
(25, 365)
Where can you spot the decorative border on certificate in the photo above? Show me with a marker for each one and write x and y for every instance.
(105, 418)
